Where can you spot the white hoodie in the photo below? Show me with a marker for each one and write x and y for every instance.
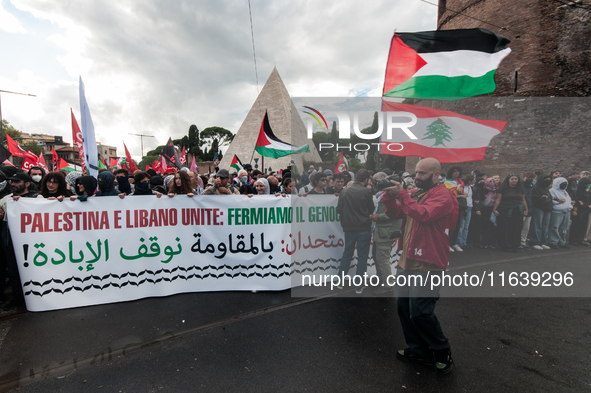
(557, 194)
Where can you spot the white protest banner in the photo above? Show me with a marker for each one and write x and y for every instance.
(106, 250)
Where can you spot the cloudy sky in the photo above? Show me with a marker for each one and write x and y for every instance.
(157, 66)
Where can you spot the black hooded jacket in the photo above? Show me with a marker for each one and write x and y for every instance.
(582, 195)
(541, 197)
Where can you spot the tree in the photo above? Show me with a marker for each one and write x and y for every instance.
(32, 146)
(10, 130)
(334, 134)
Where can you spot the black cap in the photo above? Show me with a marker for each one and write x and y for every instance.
(223, 173)
(21, 176)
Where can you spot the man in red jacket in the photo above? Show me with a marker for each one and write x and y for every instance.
(427, 214)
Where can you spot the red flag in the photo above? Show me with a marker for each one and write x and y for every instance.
(14, 148)
(54, 158)
(77, 141)
(183, 157)
(41, 162)
(147, 167)
(6, 162)
(29, 162)
(130, 162)
(157, 166)
(114, 162)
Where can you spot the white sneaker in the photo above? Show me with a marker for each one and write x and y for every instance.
(451, 249)
(545, 247)
(537, 247)
(457, 248)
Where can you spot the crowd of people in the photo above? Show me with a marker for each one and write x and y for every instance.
(529, 211)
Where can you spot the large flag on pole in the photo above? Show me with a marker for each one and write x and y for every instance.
(14, 148)
(268, 145)
(54, 158)
(447, 136)
(130, 162)
(88, 139)
(77, 141)
(170, 154)
(444, 64)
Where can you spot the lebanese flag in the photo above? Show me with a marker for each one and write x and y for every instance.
(14, 148)
(268, 145)
(447, 136)
(342, 165)
(183, 157)
(234, 163)
(445, 64)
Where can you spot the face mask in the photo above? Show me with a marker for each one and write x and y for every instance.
(36, 178)
(563, 186)
(143, 186)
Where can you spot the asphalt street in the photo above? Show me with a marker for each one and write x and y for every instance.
(504, 338)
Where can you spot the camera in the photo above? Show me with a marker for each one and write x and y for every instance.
(385, 183)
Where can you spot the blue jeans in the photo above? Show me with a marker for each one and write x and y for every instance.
(558, 228)
(363, 241)
(463, 226)
(416, 306)
(538, 230)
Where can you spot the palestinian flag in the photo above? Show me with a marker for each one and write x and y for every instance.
(234, 163)
(444, 65)
(268, 145)
(447, 136)
(63, 165)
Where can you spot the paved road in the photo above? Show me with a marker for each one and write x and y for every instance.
(271, 341)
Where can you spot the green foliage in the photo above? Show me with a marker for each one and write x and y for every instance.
(32, 146)
(148, 160)
(10, 130)
(354, 164)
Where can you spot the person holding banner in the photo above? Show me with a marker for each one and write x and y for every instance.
(37, 173)
(427, 214)
(222, 185)
(20, 184)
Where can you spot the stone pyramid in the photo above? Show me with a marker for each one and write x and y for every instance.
(285, 122)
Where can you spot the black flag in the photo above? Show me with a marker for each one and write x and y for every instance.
(170, 153)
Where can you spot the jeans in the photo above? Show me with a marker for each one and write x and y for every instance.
(464, 225)
(558, 228)
(363, 241)
(416, 306)
(538, 230)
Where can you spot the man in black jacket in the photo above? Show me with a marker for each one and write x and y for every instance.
(355, 206)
